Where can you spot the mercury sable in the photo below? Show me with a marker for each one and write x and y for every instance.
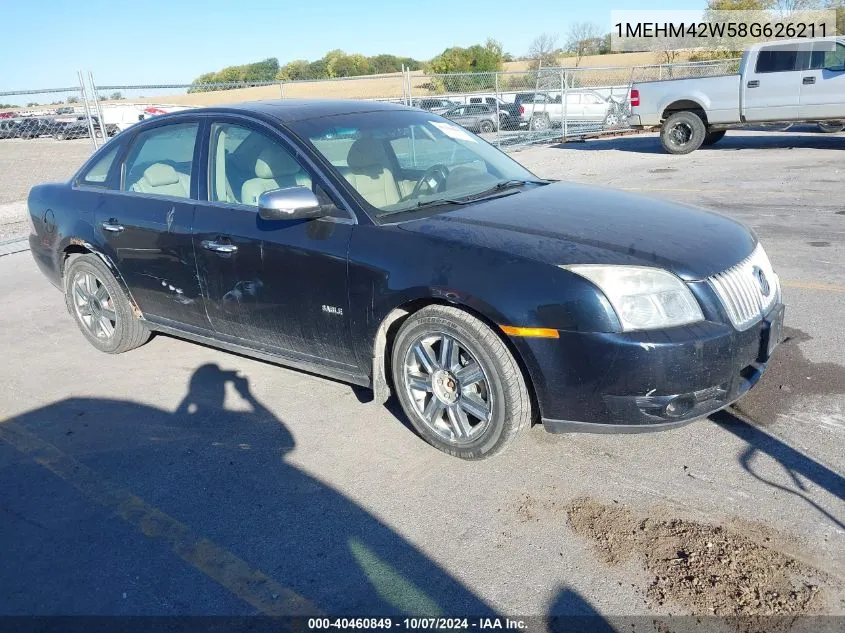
(390, 248)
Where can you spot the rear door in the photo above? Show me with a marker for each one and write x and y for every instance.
(772, 86)
(823, 83)
(145, 223)
(279, 286)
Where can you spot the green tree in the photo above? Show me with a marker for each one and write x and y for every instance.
(72, 100)
(475, 59)
(116, 96)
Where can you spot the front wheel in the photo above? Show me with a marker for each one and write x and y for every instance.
(831, 127)
(100, 307)
(458, 383)
(682, 133)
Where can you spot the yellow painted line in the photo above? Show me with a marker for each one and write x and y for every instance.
(812, 285)
(232, 573)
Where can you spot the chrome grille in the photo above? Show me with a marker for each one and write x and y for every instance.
(740, 290)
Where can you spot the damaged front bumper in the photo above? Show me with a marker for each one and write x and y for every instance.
(650, 380)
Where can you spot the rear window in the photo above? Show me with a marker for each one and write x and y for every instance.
(98, 173)
(777, 59)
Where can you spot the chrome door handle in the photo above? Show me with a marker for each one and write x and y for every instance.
(111, 227)
(219, 247)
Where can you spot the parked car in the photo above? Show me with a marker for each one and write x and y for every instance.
(33, 127)
(434, 104)
(477, 117)
(66, 130)
(782, 83)
(510, 116)
(8, 128)
(389, 247)
(541, 110)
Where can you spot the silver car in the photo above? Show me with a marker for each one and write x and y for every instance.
(477, 117)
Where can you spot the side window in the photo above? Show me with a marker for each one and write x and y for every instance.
(99, 171)
(245, 163)
(827, 55)
(161, 161)
(777, 59)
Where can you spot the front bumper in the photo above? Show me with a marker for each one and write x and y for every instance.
(647, 381)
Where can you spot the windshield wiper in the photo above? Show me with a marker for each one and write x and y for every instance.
(504, 184)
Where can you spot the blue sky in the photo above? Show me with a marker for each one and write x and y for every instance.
(160, 41)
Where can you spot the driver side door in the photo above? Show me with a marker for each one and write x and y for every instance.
(823, 84)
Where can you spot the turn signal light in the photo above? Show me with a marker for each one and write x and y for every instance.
(537, 332)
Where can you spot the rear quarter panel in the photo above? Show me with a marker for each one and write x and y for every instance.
(717, 96)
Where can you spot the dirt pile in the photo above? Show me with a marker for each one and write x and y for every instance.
(707, 569)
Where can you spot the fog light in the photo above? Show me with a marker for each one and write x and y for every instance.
(677, 407)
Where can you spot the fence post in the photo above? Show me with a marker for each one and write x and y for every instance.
(87, 109)
(565, 97)
(498, 114)
(281, 90)
(103, 134)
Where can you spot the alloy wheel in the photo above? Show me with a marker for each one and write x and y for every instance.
(448, 387)
(94, 306)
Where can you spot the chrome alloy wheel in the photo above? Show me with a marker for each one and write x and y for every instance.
(93, 305)
(449, 389)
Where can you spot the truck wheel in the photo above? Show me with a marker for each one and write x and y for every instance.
(539, 122)
(682, 133)
(486, 127)
(831, 127)
(711, 138)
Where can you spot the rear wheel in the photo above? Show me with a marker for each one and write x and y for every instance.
(100, 307)
(711, 138)
(539, 122)
(682, 133)
(458, 383)
(486, 127)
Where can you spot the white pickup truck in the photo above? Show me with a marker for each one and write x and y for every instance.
(778, 83)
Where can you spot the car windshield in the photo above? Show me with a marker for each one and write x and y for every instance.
(400, 160)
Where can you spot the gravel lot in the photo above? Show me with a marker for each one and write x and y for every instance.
(178, 479)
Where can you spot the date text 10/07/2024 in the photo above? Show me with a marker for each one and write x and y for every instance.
(417, 624)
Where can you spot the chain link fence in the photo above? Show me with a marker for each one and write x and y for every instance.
(509, 109)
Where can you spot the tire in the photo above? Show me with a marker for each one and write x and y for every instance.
(486, 127)
(682, 133)
(477, 421)
(613, 118)
(127, 331)
(539, 122)
(711, 138)
(831, 127)
(61, 136)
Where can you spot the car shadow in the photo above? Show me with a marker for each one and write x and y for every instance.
(793, 462)
(226, 473)
(733, 140)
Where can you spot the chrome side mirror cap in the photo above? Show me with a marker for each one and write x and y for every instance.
(289, 203)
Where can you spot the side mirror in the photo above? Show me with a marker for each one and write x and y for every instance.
(289, 203)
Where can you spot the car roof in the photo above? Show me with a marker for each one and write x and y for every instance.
(290, 110)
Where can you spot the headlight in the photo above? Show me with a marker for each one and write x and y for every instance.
(643, 298)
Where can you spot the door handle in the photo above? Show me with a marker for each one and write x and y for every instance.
(808, 80)
(754, 83)
(219, 247)
(112, 227)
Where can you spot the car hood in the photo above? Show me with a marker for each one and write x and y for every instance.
(567, 223)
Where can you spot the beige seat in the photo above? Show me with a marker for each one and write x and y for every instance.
(274, 169)
(369, 173)
(163, 180)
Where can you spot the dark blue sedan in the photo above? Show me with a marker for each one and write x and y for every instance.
(390, 248)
